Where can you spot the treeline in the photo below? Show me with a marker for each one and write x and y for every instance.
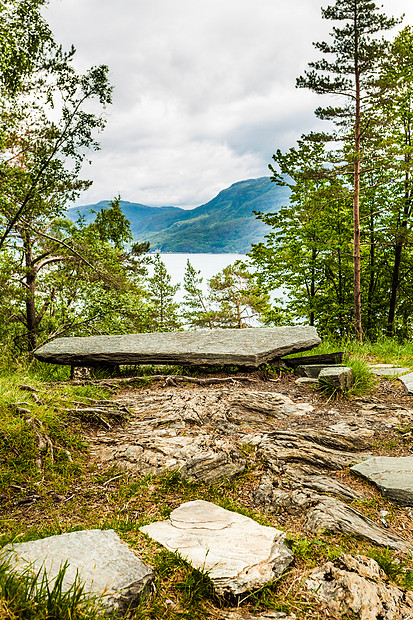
(343, 244)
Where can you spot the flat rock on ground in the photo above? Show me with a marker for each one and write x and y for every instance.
(407, 381)
(392, 475)
(244, 347)
(238, 553)
(101, 560)
(388, 371)
(338, 377)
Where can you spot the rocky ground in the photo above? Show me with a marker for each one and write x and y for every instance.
(292, 448)
(299, 446)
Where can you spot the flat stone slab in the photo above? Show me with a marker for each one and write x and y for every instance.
(385, 371)
(102, 561)
(242, 347)
(391, 474)
(407, 381)
(237, 553)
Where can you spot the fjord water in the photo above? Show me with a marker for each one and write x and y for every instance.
(208, 264)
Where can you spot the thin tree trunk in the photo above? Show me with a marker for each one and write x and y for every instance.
(30, 278)
(356, 195)
(312, 286)
(398, 250)
(372, 274)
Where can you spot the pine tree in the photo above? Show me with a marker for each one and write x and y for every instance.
(196, 310)
(355, 52)
(161, 293)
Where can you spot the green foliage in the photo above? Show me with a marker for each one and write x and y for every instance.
(234, 298)
(308, 251)
(111, 225)
(314, 550)
(196, 308)
(311, 250)
(237, 296)
(39, 437)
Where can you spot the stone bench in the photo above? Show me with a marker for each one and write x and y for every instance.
(249, 347)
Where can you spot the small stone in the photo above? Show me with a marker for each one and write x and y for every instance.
(101, 560)
(392, 475)
(237, 553)
(312, 371)
(337, 377)
(306, 381)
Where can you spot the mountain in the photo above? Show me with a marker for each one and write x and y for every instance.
(224, 224)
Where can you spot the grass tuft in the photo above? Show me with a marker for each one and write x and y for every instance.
(29, 595)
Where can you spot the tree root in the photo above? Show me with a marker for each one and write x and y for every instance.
(168, 380)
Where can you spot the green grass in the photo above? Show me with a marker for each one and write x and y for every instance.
(38, 439)
(30, 596)
(383, 351)
(399, 570)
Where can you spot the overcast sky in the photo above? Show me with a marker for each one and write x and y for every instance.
(204, 90)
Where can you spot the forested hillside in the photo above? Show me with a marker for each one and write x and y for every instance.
(224, 224)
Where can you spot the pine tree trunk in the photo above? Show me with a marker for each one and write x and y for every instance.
(356, 193)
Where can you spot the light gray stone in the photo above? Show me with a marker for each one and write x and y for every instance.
(358, 586)
(338, 377)
(196, 432)
(407, 381)
(312, 371)
(388, 372)
(320, 484)
(244, 347)
(102, 561)
(236, 552)
(392, 475)
(202, 457)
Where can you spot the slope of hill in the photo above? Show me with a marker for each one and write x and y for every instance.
(224, 224)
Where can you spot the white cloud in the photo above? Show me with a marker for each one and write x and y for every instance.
(204, 91)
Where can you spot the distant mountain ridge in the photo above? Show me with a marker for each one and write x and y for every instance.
(224, 224)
